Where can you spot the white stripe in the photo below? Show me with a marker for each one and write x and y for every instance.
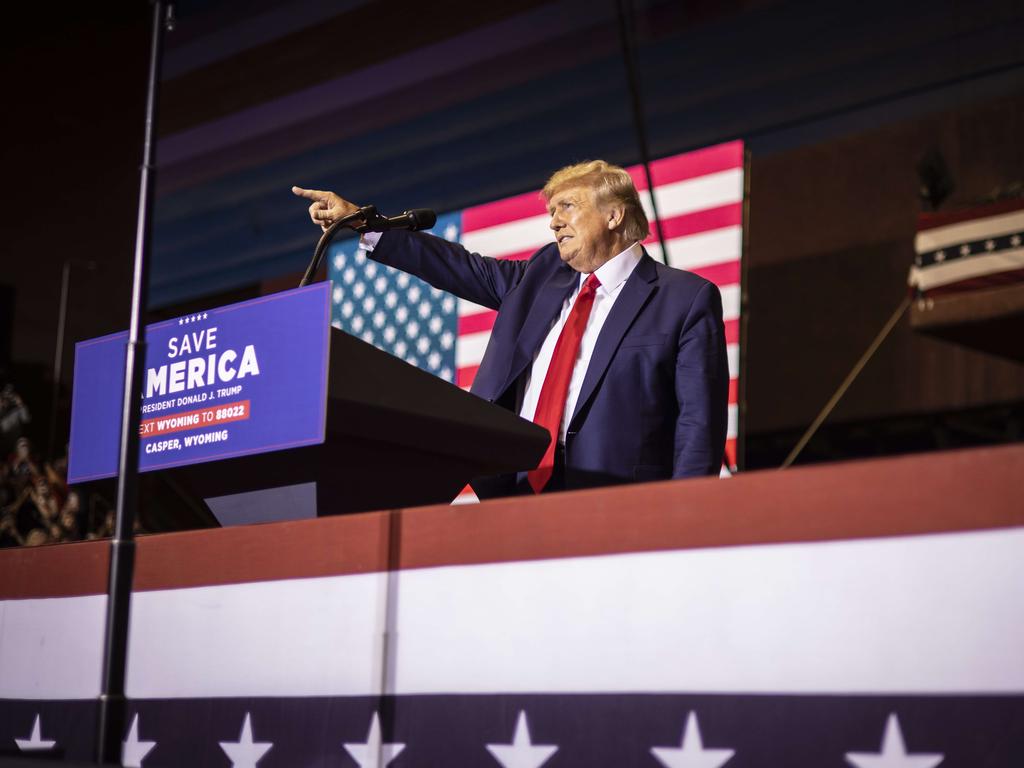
(730, 301)
(926, 278)
(470, 348)
(510, 237)
(704, 249)
(313, 637)
(734, 421)
(466, 307)
(51, 648)
(675, 199)
(905, 615)
(928, 614)
(732, 351)
(696, 194)
(968, 231)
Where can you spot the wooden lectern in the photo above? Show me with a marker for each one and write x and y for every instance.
(260, 412)
(396, 436)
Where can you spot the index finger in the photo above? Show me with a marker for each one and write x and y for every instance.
(311, 194)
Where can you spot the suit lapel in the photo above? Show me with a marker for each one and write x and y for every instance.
(635, 293)
(543, 311)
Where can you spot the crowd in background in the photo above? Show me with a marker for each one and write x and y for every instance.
(36, 504)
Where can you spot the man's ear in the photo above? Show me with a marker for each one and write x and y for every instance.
(616, 214)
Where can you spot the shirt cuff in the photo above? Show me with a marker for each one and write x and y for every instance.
(368, 240)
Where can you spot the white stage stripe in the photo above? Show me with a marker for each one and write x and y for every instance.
(732, 351)
(968, 231)
(715, 246)
(926, 278)
(928, 614)
(51, 648)
(734, 422)
(305, 637)
(676, 199)
(940, 613)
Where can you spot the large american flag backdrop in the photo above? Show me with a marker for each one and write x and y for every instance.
(690, 625)
(699, 197)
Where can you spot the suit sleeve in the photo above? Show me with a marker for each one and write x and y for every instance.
(702, 388)
(449, 266)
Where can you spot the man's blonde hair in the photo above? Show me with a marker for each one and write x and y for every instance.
(610, 184)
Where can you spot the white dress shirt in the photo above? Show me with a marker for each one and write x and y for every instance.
(612, 274)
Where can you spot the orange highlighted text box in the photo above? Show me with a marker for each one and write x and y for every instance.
(210, 416)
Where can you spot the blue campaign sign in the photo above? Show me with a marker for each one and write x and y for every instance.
(241, 379)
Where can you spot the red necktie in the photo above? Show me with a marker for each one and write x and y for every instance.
(551, 404)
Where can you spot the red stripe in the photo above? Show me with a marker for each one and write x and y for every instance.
(974, 489)
(732, 331)
(503, 211)
(478, 321)
(734, 389)
(729, 215)
(690, 165)
(927, 221)
(668, 170)
(730, 452)
(726, 273)
(517, 255)
(465, 375)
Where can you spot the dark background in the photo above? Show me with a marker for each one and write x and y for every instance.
(456, 104)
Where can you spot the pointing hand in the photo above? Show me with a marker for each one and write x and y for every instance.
(326, 207)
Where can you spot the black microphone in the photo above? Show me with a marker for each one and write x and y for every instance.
(415, 219)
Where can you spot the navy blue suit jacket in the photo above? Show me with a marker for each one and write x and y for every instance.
(654, 400)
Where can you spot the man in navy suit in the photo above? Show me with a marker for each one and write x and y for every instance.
(623, 359)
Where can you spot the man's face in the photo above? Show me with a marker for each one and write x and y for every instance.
(585, 241)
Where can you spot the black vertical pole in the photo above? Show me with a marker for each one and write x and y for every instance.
(58, 358)
(112, 703)
(741, 436)
(626, 36)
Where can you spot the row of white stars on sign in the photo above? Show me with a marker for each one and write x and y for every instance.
(521, 753)
(965, 249)
(193, 318)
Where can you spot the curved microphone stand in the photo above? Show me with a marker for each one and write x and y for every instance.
(365, 214)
